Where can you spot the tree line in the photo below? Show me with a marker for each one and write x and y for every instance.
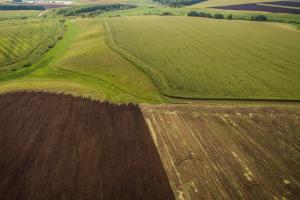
(78, 10)
(21, 7)
(178, 2)
(221, 16)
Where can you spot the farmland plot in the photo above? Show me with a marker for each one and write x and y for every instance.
(261, 7)
(23, 39)
(61, 147)
(206, 58)
(228, 152)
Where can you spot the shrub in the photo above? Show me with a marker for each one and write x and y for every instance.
(260, 18)
(60, 37)
(14, 70)
(201, 14)
(229, 16)
(193, 14)
(24, 17)
(27, 65)
(50, 46)
(218, 16)
(166, 13)
(208, 15)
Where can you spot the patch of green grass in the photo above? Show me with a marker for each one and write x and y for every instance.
(82, 64)
(17, 14)
(208, 58)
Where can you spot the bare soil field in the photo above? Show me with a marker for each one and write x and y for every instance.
(228, 152)
(62, 147)
(285, 3)
(258, 7)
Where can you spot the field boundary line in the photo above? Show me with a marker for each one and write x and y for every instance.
(141, 65)
(108, 83)
(233, 99)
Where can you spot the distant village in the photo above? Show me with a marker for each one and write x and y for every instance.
(42, 2)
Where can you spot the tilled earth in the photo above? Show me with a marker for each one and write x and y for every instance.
(55, 146)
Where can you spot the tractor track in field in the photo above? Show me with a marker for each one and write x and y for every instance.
(228, 151)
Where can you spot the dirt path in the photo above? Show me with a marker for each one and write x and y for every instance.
(42, 13)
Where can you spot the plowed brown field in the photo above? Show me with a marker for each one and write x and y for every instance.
(61, 147)
(229, 152)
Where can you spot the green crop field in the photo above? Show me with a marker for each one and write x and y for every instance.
(24, 39)
(15, 14)
(207, 58)
(210, 3)
(82, 64)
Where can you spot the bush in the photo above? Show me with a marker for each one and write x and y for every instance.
(260, 18)
(229, 16)
(50, 46)
(27, 65)
(60, 37)
(14, 70)
(24, 17)
(218, 16)
(193, 14)
(208, 15)
(201, 14)
(166, 13)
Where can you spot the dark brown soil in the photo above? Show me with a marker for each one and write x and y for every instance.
(60, 147)
(257, 7)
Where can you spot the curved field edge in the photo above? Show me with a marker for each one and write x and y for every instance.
(141, 65)
(44, 75)
(159, 81)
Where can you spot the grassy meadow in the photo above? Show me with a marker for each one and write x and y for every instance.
(207, 58)
(82, 64)
(17, 14)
